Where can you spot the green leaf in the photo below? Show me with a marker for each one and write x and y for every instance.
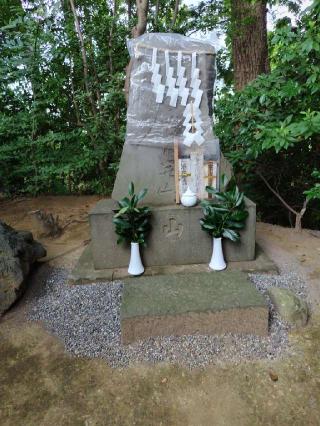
(121, 211)
(125, 202)
(231, 235)
(142, 194)
(211, 190)
(131, 189)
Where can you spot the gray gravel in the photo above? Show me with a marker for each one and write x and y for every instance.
(87, 319)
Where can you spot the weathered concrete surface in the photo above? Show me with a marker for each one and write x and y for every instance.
(200, 303)
(152, 167)
(289, 306)
(18, 251)
(149, 167)
(84, 271)
(176, 238)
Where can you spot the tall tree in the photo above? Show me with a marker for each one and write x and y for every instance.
(249, 40)
(137, 30)
(84, 57)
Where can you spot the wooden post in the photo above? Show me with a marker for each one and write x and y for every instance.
(176, 168)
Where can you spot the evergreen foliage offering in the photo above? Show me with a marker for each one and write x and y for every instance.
(132, 222)
(225, 215)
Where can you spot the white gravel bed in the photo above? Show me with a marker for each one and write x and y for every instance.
(87, 319)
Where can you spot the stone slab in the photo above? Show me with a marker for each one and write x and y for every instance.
(84, 271)
(217, 303)
(176, 238)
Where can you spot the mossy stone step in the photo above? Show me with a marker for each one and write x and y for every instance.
(198, 303)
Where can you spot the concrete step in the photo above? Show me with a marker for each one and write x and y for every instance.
(198, 303)
(84, 271)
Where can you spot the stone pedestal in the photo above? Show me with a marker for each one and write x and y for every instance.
(176, 238)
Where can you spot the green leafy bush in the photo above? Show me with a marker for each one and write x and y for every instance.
(132, 222)
(270, 131)
(314, 192)
(51, 139)
(225, 215)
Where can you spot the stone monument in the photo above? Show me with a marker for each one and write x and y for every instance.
(169, 145)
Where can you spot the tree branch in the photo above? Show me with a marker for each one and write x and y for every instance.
(276, 194)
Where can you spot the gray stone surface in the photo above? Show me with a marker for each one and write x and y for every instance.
(176, 238)
(289, 306)
(18, 251)
(200, 303)
(152, 167)
(149, 167)
(84, 271)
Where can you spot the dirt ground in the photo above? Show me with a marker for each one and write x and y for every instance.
(40, 384)
(62, 251)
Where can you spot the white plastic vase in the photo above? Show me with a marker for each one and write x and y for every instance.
(189, 198)
(135, 265)
(217, 262)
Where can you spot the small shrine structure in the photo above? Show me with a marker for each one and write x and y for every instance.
(170, 145)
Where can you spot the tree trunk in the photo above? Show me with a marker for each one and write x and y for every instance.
(249, 40)
(129, 9)
(299, 216)
(138, 30)
(175, 14)
(84, 57)
(74, 100)
(156, 15)
(142, 12)
(114, 14)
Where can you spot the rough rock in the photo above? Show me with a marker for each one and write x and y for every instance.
(290, 307)
(18, 251)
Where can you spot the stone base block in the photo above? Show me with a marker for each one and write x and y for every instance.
(84, 271)
(217, 303)
(176, 238)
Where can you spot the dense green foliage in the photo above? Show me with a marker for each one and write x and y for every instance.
(132, 222)
(271, 130)
(61, 126)
(226, 214)
(62, 105)
(52, 138)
